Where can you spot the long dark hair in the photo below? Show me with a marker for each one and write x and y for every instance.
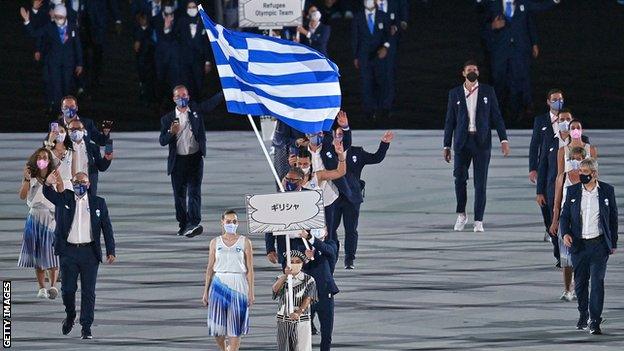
(32, 164)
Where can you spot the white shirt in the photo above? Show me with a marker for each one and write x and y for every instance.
(193, 27)
(554, 122)
(186, 143)
(513, 7)
(65, 168)
(80, 232)
(590, 213)
(471, 105)
(81, 158)
(330, 191)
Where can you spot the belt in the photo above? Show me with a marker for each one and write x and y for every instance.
(80, 245)
(598, 238)
(472, 133)
(286, 319)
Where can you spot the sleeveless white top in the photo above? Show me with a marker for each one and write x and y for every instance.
(35, 198)
(65, 168)
(230, 259)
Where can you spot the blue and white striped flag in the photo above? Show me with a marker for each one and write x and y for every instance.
(261, 75)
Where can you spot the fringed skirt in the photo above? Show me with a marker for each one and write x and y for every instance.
(228, 309)
(37, 245)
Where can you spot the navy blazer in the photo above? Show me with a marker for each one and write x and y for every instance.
(65, 209)
(196, 114)
(330, 161)
(542, 133)
(318, 41)
(92, 133)
(519, 32)
(571, 221)
(321, 267)
(357, 158)
(97, 163)
(363, 43)
(196, 49)
(488, 116)
(547, 171)
(57, 53)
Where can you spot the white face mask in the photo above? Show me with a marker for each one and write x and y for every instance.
(230, 228)
(318, 233)
(61, 137)
(369, 4)
(59, 22)
(306, 171)
(315, 16)
(56, 2)
(192, 12)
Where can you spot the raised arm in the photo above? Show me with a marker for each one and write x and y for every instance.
(338, 172)
(210, 104)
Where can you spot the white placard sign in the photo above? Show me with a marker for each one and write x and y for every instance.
(294, 210)
(270, 14)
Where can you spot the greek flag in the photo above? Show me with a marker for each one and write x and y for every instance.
(261, 75)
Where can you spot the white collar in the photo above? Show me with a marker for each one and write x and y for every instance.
(367, 11)
(553, 117)
(180, 113)
(592, 191)
(78, 198)
(473, 88)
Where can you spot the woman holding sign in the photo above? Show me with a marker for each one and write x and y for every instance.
(229, 288)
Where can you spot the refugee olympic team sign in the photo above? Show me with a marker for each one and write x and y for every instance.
(267, 14)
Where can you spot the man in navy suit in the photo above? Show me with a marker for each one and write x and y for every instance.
(81, 219)
(511, 37)
(184, 132)
(194, 48)
(69, 109)
(589, 225)
(545, 127)
(370, 41)
(324, 251)
(472, 111)
(315, 34)
(60, 47)
(357, 158)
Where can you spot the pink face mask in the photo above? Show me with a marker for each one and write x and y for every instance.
(42, 164)
(576, 133)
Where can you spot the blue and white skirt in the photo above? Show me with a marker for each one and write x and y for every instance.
(37, 245)
(228, 308)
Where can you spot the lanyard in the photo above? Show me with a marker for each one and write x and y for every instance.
(472, 91)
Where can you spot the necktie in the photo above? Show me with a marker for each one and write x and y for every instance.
(371, 23)
(508, 9)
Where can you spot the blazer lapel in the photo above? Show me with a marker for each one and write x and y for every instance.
(72, 213)
(94, 214)
(462, 103)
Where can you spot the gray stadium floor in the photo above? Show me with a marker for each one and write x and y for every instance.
(418, 285)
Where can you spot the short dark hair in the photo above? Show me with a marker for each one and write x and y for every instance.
(304, 153)
(576, 120)
(69, 97)
(553, 91)
(297, 170)
(470, 62)
(566, 110)
(228, 212)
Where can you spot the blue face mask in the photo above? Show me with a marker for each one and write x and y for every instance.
(556, 105)
(182, 102)
(316, 139)
(70, 112)
(291, 186)
(80, 189)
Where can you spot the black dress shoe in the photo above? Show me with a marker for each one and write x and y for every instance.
(349, 265)
(181, 231)
(86, 334)
(67, 326)
(582, 323)
(595, 330)
(193, 231)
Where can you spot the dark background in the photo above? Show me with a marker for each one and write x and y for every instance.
(581, 52)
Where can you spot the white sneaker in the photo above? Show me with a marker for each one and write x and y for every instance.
(478, 226)
(564, 296)
(574, 298)
(460, 223)
(42, 294)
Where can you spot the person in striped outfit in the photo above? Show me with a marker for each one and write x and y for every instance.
(294, 330)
